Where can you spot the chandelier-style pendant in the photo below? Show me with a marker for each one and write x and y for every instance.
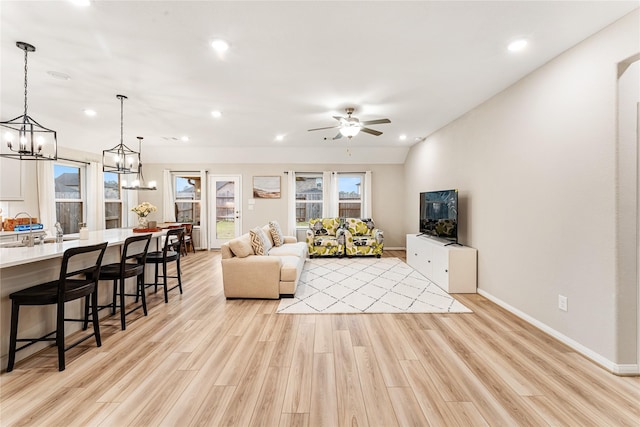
(121, 159)
(25, 138)
(139, 183)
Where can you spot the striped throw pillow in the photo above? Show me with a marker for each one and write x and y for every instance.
(259, 241)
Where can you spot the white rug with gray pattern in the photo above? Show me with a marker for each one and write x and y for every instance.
(366, 285)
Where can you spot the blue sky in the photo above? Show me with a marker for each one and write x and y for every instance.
(348, 184)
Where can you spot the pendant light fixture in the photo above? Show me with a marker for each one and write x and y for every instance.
(26, 139)
(139, 183)
(121, 159)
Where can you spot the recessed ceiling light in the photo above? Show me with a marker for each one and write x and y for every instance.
(220, 45)
(58, 75)
(184, 138)
(279, 137)
(89, 112)
(517, 45)
(217, 114)
(403, 137)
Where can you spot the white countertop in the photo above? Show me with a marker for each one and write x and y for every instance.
(18, 233)
(10, 257)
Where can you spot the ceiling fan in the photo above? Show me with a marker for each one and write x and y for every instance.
(351, 126)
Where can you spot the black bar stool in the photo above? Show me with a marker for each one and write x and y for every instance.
(174, 240)
(80, 282)
(132, 262)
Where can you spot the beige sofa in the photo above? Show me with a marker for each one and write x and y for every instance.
(270, 276)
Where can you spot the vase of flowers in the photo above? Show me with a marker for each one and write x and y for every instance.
(143, 210)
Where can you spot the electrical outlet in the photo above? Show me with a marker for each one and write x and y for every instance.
(563, 303)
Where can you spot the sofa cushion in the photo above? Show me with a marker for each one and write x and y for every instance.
(324, 226)
(295, 249)
(267, 234)
(325, 241)
(241, 246)
(364, 241)
(359, 227)
(260, 242)
(289, 268)
(276, 233)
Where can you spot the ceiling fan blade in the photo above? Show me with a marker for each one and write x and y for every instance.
(338, 136)
(338, 118)
(328, 127)
(376, 122)
(371, 131)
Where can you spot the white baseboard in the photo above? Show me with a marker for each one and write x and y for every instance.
(618, 369)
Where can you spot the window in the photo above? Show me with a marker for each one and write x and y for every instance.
(350, 195)
(69, 197)
(188, 198)
(308, 198)
(112, 200)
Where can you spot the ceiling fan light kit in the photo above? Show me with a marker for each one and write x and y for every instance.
(34, 141)
(350, 126)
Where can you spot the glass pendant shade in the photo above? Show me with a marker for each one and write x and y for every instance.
(350, 130)
(121, 159)
(23, 137)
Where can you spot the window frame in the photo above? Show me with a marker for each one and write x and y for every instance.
(321, 201)
(359, 201)
(82, 183)
(107, 201)
(196, 210)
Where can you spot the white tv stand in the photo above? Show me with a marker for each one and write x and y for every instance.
(453, 267)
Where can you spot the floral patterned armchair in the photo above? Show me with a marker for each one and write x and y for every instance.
(362, 238)
(325, 237)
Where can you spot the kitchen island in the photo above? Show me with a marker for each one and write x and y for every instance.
(21, 267)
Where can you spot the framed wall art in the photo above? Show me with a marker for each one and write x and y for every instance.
(266, 187)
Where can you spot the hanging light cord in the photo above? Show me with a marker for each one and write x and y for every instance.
(121, 120)
(25, 82)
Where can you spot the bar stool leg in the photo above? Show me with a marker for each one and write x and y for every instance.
(85, 324)
(15, 308)
(96, 324)
(115, 293)
(164, 281)
(122, 313)
(60, 336)
(156, 278)
(179, 274)
(141, 291)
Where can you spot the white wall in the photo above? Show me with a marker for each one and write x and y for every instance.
(627, 204)
(387, 185)
(536, 170)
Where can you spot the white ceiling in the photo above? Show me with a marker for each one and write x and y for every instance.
(291, 66)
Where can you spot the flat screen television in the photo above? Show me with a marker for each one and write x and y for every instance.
(439, 214)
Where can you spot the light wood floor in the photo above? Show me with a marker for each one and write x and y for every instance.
(203, 360)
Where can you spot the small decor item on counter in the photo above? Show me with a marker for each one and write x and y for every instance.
(59, 233)
(84, 231)
(143, 210)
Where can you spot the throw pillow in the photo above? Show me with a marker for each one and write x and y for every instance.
(259, 241)
(241, 246)
(276, 233)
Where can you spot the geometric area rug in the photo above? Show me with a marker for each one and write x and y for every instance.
(366, 285)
